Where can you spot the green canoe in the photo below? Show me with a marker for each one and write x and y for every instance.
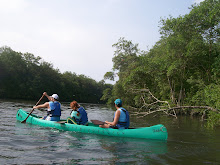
(158, 132)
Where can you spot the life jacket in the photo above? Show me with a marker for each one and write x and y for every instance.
(124, 124)
(55, 110)
(83, 119)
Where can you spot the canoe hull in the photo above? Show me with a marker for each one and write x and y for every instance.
(157, 132)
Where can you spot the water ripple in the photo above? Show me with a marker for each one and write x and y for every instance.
(31, 144)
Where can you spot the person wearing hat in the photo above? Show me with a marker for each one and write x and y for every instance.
(53, 107)
(121, 118)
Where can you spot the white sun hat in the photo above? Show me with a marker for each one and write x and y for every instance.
(55, 96)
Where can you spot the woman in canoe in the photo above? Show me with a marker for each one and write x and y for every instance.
(121, 118)
(53, 107)
(78, 114)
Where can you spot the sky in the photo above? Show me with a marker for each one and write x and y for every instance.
(77, 35)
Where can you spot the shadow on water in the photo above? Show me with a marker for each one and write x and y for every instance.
(121, 150)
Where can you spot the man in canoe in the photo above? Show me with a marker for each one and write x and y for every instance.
(53, 107)
(78, 114)
(121, 118)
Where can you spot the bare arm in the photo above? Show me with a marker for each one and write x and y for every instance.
(45, 105)
(48, 97)
(117, 115)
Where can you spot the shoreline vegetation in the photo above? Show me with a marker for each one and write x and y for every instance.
(180, 74)
(24, 76)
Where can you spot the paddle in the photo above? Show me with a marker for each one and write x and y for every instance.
(24, 121)
(61, 122)
(97, 122)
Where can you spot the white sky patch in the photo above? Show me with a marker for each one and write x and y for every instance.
(12, 5)
(198, 1)
(77, 36)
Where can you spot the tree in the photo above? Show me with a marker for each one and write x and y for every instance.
(24, 76)
(124, 61)
(182, 67)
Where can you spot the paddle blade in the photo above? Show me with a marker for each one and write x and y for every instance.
(24, 121)
(97, 122)
(61, 122)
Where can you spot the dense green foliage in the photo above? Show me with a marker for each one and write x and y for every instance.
(24, 76)
(183, 67)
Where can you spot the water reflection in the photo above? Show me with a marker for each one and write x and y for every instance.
(131, 150)
(111, 150)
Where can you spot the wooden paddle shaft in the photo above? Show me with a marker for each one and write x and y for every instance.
(33, 109)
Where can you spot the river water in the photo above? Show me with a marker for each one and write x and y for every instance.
(189, 141)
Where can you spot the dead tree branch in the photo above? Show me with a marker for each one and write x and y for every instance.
(152, 104)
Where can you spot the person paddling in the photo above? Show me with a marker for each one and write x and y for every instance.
(78, 114)
(121, 118)
(53, 107)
